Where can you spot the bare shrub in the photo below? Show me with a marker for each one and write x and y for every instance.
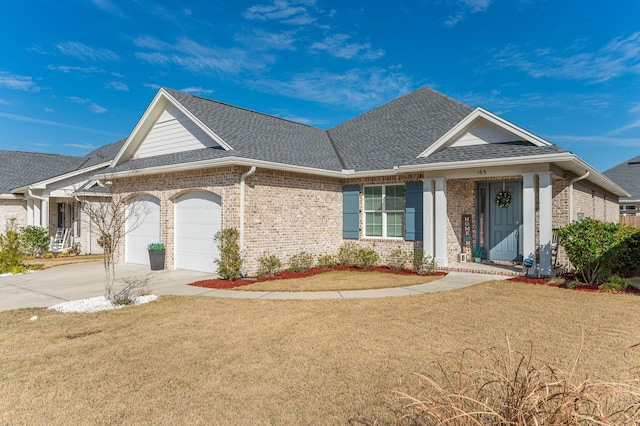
(133, 287)
(506, 387)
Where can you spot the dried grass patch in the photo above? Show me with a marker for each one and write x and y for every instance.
(199, 360)
(340, 281)
(58, 261)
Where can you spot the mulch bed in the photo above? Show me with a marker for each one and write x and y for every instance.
(286, 275)
(569, 277)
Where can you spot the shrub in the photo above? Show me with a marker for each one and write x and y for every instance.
(76, 249)
(423, 264)
(614, 284)
(574, 284)
(270, 266)
(398, 259)
(230, 262)
(506, 387)
(301, 262)
(327, 261)
(47, 255)
(10, 253)
(34, 239)
(597, 249)
(366, 258)
(347, 254)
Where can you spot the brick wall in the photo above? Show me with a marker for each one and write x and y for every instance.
(12, 208)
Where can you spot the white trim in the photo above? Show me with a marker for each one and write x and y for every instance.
(428, 214)
(440, 223)
(11, 197)
(480, 113)
(529, 220)
(151, 114)
(545, 206)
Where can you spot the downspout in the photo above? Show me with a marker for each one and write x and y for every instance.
(43, 200)
(571, 182)
(243, 179)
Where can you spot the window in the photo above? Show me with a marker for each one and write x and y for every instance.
(384, 214)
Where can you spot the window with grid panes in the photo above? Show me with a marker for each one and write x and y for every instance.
(384, 214)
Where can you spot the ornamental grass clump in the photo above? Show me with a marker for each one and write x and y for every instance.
(507, 387)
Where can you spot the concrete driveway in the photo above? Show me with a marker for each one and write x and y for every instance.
(82, 280)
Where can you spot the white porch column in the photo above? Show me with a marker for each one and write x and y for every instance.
(427, 217)
(529, 219)
(45, 214)
(546, 222)
(30, 211)
(440, 222)
(37, 215)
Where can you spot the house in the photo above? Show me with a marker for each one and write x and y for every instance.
(423, 172)
(38, 189)
(627, 175)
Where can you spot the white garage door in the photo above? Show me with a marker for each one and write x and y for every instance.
(143, 228)
(198, 218)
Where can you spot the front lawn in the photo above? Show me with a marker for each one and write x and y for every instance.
(341, 281)
(200, 360)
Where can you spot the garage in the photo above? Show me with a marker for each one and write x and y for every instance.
(142, 228)
(198, 218)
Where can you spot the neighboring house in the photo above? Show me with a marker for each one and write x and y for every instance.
(422, 172)
(38, 189)
(627, 175)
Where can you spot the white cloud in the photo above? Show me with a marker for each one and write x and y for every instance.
(84, 52)
(18, 82)
(80, 146)
(633, 125)
(78, 100)
(68, 69)
(337, 45)
(465, 8)
(356, 89)
(197, 90)
(617, 58)
(26, 119)
(152, 85)
(294, 12)
(194, 56)
(108, 6)
(595, 140)
(97, 108)
(117, 85)
(48, 109)
(262, 40)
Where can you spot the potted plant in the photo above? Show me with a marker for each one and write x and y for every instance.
(477, 254)
(156, 256)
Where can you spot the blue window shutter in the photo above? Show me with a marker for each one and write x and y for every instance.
(413, 211)
(351, 212)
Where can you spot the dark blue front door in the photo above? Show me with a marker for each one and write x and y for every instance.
(505, 223)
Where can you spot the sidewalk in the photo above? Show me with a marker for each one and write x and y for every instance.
(80, 281)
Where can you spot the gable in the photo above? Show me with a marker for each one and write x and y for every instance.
(484, 132)
(173, 132)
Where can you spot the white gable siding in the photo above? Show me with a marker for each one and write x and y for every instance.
(173, 132)
(485, 133)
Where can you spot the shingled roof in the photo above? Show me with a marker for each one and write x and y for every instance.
(22, 168)
(627, 175)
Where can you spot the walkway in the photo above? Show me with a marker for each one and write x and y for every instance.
(83, 280)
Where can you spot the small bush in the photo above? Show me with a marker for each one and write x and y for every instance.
(366, 258)
(63, 254)
(614, 284)
(47, 255)
(301, 262)
(34, 239)
(422, 264)
(347, 254)
(76, 249)
(327, 261)
(575, 284)
(230, 262)
(133, 288)
(270, 266)
(10, 253)
(398, 259)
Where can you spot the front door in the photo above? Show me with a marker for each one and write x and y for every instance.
(504, 221)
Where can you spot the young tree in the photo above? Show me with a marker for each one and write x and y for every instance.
(112, 216)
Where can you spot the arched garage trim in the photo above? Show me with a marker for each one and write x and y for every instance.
(142, 227)
(198, 217)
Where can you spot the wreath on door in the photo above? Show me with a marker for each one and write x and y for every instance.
(503, 199)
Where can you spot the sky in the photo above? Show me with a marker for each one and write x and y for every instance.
(79, 74)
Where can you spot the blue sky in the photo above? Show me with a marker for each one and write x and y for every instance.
(78, 74)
